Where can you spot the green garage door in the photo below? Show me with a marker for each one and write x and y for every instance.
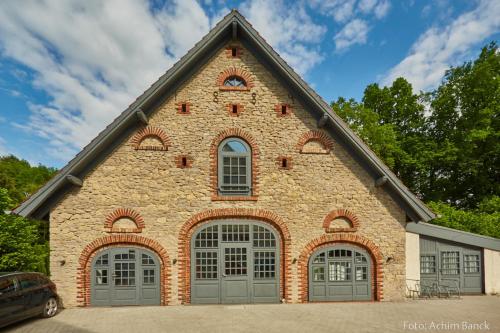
(442, 262)
(340, 273)
(235, 262)
(125, 276)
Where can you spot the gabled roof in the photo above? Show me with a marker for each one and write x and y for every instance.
(232, 26)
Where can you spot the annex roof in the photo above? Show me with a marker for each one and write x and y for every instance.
(232, 26)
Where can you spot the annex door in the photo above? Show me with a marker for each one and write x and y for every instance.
(340, 273)
(443, 262)
(125, 276)
(235, 262)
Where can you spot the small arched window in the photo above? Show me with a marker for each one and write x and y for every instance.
(235, 81)
(235, 167)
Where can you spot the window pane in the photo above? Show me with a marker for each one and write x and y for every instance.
(234, 146)
(320, 258)
(339, 271)
(318, 273)
(471, 263)
(264, 265)
(427, 264)
(361, 273)
(450, 262)
(7, 286)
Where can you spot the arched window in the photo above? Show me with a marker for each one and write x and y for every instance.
(235, 81)
(235, 167)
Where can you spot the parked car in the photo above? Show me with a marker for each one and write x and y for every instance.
(25, 295)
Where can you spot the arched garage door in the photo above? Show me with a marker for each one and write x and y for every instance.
(125, 276)
(340, 273)
(235, 261)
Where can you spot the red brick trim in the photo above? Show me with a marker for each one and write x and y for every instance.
(234, 71)
(230, 111)
(237, 133)
(279, 110)
(88, 253)
(318, 136)
(179, 108)
(148, 132)
(279, 162)
(179, 162)
(229, 51)
(333, 239)
(192, 224)
(124, 213)
(342, 213)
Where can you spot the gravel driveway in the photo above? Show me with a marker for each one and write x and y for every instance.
(409, 316)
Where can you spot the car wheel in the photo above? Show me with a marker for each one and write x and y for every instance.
(50, 308)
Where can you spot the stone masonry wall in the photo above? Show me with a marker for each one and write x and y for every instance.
(152, 183)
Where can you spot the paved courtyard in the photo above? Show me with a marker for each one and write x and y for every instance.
(409, 316)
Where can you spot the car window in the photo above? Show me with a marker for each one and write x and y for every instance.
(7, 285)
(29, 281)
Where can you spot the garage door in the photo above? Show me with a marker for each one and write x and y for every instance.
(340, 273)
(125, 276)
(235, 262)
(443, 261)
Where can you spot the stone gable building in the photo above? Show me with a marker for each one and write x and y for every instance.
(230, 181)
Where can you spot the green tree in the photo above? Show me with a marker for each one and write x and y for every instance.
(465, 125)
(382, 138)
(21, 246)
(21, 179)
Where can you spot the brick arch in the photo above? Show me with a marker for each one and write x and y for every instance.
(150, 132)
(342, 213)
(124, 213)
(235, 71)
(315, 135)
(333, 239)
(214, 148)
(89, 252)
(189, 227)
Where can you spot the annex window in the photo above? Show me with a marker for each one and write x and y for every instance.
(450, 262)
(427, 264)
(471, 263)
(235, 81)
(234, 172)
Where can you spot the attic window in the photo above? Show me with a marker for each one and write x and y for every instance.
(234, 52)
(184, 108)
(235, 81)
(235, 108)
(283, 109)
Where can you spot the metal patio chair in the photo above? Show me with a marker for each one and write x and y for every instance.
(449, 288)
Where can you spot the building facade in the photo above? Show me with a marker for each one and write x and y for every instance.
(228, 181)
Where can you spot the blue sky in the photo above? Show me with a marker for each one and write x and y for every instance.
(68, 68)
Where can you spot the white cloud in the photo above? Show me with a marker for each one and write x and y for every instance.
(354, 32)
(289, 29)
(93, 59)
(366, 6)
(438, 48)
(382, 9)
(340, 10)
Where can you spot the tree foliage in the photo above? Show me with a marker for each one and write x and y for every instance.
(22, 247)
(21, 179)
(444, 145)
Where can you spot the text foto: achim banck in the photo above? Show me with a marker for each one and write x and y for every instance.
(446, 326)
